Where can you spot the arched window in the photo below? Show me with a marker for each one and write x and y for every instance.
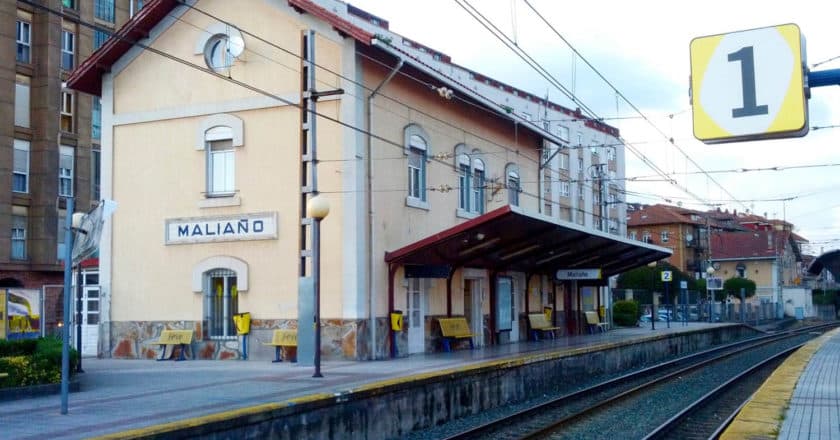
(478, 184)
(513, 183)
(416, 148)
(471, 181)
(218, 135)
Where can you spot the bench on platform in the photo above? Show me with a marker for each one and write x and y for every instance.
(180, 338)
(453, 329)
(282, 338)
(593, 322)
(539, 324)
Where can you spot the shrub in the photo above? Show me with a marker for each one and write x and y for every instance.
(626, 313)
(34, 362)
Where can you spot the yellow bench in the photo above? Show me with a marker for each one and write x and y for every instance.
(539, 323)
(282, 338)
(180, 338)
(454, 329)
(593, 322)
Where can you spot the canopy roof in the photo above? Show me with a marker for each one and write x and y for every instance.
(508, 238)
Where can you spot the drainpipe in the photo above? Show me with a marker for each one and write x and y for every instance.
(369, 202)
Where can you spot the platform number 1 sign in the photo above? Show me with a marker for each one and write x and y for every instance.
(748, 85)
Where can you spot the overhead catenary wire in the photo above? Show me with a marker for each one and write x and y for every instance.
(619, 93)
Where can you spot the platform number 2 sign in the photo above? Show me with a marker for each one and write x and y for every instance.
(748, 85)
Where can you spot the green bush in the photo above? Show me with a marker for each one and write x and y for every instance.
(626, 313)
(34, 362)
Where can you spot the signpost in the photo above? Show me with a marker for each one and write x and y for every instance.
(749, 85)
(667, 277)
(752, 84)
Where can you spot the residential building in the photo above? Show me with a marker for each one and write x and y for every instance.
(49, 134)
(441, 202)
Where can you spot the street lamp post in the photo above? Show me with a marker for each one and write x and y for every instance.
(68, 282)
(317, 209)
(710, 271)
(78, 217)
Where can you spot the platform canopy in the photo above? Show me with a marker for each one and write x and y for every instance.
(508, 238)
(829, 261)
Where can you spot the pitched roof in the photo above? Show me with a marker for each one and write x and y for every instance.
(87, 77)
(650, 215)
(748, 244)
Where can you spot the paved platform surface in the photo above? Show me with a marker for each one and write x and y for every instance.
(120, 395)
(814, 410)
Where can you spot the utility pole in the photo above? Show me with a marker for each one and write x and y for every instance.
(309, 339)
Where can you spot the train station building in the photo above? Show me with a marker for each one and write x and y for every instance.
(448, 195)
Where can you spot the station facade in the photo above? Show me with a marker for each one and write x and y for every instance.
(437, 193)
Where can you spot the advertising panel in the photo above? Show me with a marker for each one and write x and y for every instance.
(23, 313)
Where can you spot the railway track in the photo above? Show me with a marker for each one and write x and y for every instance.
(669, 400)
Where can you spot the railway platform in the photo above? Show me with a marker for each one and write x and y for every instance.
(137, 398)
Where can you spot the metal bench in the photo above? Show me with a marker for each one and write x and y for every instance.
(593, 322)
(453, 329)
(282, 338)
(179, 338)
(539, 324)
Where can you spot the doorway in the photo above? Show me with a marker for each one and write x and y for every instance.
(472, 309)
(90, 313)
(416, 313)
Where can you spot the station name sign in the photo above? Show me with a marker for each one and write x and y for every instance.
(579, 274)
(257, 226)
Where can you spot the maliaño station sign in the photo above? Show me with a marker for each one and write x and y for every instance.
(257, 226)
(579, 274)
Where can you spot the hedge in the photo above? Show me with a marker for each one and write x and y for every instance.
(33, 362)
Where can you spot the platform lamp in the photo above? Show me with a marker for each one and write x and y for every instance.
(709, 271)
(317, 208)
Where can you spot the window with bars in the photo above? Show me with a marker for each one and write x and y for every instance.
(20, 172)
(65, 171)
(24, 42)
(18, 250)
(104, 10)
(68, 50)
(221, 302)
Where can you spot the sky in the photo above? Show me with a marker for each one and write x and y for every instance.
(642, 49)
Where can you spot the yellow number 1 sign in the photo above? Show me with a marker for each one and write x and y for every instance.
(748, 85)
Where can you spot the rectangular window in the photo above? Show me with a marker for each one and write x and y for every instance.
(68, 50)
(632, 235)
(221, 170)
(564, 161)
(22, 93)
(221, 303)
(513, 189)
(417, 174)
(96, 174)
(67, 101)
(24, 42)
(62, 223)
(69, 4)
(610, 153)
(664, 236)
(99, 38)
(20, 174)
(563, 133)
(580, 165)
(96, 118)
(564, 188)
(65, 171)
(478, 191)
(104, 10)
(18, 237)
(464, 187)
(580, 138)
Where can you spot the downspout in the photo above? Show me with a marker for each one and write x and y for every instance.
(369, 202)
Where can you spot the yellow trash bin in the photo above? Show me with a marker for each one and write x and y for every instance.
(242, 322)
(397, 320)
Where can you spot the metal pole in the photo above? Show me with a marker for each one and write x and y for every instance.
(79, 315)
(667, 305)
(316, 278)
(743, 299)
(68, 292)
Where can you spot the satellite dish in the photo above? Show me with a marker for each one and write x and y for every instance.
(236, 45)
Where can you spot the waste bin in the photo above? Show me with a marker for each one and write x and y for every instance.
(242, 321)
(397, 320)
(547, 311)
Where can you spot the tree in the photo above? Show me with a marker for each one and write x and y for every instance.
(650, 278)
(734, 285)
